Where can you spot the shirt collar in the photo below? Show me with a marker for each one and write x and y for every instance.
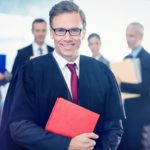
(136, 51)
(36, 46)
(98, 57)
(62, 61)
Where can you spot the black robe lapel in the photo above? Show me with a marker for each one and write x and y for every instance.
(84, 87)
(59, 85)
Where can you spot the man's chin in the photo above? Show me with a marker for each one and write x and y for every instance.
(40, 42)
(67, 55)
(67, 52)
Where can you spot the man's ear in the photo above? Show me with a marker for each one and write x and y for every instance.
(141, 37)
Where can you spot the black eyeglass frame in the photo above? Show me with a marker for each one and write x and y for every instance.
(67, 30)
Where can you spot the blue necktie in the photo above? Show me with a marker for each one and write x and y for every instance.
(40, 51)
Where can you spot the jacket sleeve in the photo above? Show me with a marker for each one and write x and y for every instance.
(140, 88)
(111, 136)
(28, 135)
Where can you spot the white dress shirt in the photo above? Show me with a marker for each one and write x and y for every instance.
(35, 48)
(97, 57)
(64, 69)
(135, 52)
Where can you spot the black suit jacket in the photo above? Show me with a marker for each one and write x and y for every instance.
(34, 92)
(23, 55)
(138, 109)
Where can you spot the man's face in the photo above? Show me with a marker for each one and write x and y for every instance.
(67, 45)
(134, 38)
(39, 32)
(95, 45)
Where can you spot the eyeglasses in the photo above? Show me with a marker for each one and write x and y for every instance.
(62, 31)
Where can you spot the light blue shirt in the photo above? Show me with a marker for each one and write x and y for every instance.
(135, 52)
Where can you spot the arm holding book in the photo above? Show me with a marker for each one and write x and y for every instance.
(40, 139)
(139, 88)
(30, 136)
(142, 88)
(111, 136)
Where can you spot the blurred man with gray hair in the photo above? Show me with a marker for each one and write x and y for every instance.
(138, 108)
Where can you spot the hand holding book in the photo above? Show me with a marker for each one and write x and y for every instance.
(84, 141)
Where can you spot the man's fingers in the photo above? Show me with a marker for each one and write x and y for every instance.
(92, 148)
(91, 135)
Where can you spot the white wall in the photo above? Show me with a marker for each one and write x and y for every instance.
(110, 18)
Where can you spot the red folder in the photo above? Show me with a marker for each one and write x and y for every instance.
(68, 119)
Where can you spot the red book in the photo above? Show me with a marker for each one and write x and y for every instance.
(69, 119)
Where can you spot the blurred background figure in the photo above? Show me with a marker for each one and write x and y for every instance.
(4, 78)
(94, 43)
(37, 48)
(137, 109)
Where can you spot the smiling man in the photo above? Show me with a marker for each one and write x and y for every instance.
(80, 79)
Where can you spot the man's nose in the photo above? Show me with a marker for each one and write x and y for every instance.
(67, 36)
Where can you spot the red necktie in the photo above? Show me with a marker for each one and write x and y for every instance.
(74, 82)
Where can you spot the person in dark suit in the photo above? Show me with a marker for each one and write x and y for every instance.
(137, 109)
(37, 48)
(63, 73)
(94, 43)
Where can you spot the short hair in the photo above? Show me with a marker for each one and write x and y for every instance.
(66, 7)
(94, 35)
(38, 20)
(139, 26)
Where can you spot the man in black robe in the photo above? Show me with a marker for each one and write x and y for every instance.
(43, 79)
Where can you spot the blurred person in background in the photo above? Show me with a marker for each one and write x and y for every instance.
(137, 109)
(4, 78)
(37, 48)
(94, 43)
